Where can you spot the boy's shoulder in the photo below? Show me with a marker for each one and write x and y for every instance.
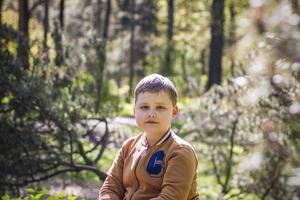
(131, 141)
(179, 146)
(179, 143)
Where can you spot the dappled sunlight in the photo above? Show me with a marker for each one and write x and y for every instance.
(67, 82)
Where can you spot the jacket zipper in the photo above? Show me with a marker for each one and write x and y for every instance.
(138, 182)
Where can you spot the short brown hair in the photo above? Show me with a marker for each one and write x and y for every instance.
(156, 83)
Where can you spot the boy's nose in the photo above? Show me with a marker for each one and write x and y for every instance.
(151, 114)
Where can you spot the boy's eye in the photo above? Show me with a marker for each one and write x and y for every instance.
(144, 107)
(161, 107)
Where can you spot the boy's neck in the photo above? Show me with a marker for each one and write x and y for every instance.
(151, 141)
(154, 139)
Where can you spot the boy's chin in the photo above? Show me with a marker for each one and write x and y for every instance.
(150, 132)
(156, 132)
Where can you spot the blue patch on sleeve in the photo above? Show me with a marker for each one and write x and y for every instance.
(155, 165)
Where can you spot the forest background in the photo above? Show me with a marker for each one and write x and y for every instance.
(68, 70)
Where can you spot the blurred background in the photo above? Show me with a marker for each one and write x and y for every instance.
(68, 69)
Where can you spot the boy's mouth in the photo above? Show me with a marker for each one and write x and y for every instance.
(151, 122)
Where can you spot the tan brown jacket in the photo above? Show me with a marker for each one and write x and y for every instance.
(166, 170)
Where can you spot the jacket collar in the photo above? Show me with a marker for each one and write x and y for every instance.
(164, 138)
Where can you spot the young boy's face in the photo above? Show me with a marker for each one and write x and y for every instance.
(154, 112)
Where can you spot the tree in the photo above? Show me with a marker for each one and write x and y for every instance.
(101, 51)
(1, 4)
(57, 35)
(167, 68)
(232, 35)
(132, 47)
(46, 30)
(46, 24)
(48, 140)
(216, 44)
(61, 13)
(295, 6)
(23, 28)
(140, 21)
(251, 138)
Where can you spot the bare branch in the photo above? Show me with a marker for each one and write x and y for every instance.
(104, 141)
(216, 171)
(84, 154)
(36, 4)
(229, 162)
(272, 183)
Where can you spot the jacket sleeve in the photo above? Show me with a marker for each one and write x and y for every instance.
(179, 175)
(112, 188)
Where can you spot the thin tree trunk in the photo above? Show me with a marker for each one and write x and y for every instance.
(61, 13)
(1, 4)
(167, 69)
(102, 54)
(229, 161)
(147, 26)
(131, 58)
(295, 6)
(23, 28)
(46, 29)
(59, 58)
(216, 44)
(184, 72)
(232, 36)
(97, 21)
(203, 61)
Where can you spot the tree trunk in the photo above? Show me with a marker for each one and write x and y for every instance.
(295, 6)
(167, 69)
(203, 61)
(59, 58)
(147, 26)
(106, 21)
(216, 44)
(61, 13)
(97, 21)
(46, 29)
(131, 58)
(184, 73)
(232, 36)
(23, 28)
(1, 4)
(102, 55)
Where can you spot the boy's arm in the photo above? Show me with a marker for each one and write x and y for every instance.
(112, 188)
(179, 176)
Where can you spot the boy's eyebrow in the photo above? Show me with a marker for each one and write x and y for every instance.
(161, 103)
(156, 103)
(142, 103)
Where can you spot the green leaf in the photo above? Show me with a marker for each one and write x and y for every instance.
(71, 197)
(5, 197)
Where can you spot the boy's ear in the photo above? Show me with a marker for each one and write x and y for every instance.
(175, 111)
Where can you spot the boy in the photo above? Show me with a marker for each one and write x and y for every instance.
(156, 164)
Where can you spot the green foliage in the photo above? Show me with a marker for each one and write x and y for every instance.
(250, 125)
(108, 158)
(36, 193)
(43, 109)
(41, 117)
